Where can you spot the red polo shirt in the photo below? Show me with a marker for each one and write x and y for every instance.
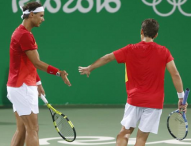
(21, 69)
(145, 69)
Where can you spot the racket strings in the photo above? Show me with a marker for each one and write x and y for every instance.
(64, 127)
(177, 125)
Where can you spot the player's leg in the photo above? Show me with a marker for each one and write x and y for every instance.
(123, 136)
(141, 138)
(25, 102)
(19, 136)
(129, 122)
(149, 123)
(31, 126)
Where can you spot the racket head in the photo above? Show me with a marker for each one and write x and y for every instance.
(63, 125)
(177, 125)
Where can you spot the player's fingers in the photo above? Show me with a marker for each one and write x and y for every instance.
(88, 74)
(67, 82)
(65, 79)
(43, 92)
(39, 93)
(180, 108)
(184, 110)
(65, 73)
(80, 67)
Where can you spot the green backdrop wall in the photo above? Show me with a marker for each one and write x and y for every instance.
(77, 32)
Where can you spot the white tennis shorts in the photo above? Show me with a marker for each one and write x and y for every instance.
(24, 99)
(148, 118)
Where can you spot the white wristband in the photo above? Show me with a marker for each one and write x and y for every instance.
(38, 83)
(180, 95)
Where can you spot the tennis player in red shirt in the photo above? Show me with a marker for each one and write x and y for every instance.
(145, 64)
(24, 85)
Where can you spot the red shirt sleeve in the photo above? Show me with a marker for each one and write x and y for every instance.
(168, 56)
(27, 42)
(121, 54)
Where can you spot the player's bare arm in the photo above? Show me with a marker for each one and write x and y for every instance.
(177, 81)
(40, 90)
(100, 62)
(35, 59)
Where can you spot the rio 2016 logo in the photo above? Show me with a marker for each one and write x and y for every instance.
(175, 3)
(67, 8)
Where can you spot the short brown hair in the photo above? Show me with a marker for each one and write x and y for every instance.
(30, 6)
(150, 28)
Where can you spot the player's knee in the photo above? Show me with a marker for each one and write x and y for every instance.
(21, 132)
(123, 134)
(32, 129)
(36, 128)
(21, 129)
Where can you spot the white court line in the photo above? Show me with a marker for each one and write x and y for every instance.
(103, 140)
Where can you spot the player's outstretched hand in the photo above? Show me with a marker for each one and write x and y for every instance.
(84, 70)
(64, 75)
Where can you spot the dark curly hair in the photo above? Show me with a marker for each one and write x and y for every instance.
(150, 28)
(30, 6)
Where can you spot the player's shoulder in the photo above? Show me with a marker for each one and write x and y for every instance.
(20, 31)
(161, 49)
(160, 46)
(153, 44)
(133, 46)
(142, 44)
(130, 46)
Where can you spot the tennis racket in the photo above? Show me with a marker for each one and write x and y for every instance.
(62, 124)
(177, 123)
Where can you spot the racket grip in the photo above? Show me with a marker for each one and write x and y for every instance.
(186, 96)
(44, 99)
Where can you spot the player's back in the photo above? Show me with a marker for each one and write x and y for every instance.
(145, 67)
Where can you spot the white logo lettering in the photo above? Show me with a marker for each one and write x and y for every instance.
(14, 4)
(107, 6)
(50, 8)
(174, 3)
(100, 4)
(78, 6)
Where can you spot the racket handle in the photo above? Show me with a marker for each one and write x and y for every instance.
(186, 96)
(44, 99)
